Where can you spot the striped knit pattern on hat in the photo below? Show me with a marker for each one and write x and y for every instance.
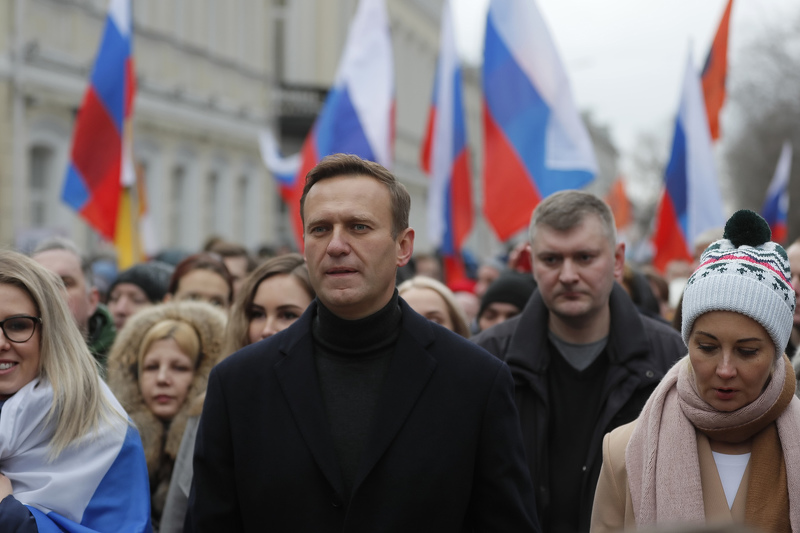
(753, 280)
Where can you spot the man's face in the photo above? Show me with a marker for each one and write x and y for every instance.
(794, 264)
(575, 269)
(351, 255)
(82, 300)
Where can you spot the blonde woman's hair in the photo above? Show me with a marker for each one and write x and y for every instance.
(236, 336)
(457, 315)
(79, 403)
(184, 335)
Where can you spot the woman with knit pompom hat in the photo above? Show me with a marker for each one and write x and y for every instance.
(719, 439)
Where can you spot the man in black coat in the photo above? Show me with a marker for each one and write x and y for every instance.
(584, 360)
(362, 416)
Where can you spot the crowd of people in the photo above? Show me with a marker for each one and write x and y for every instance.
(559, 389)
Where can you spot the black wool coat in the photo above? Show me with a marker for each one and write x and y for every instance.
(445, 452)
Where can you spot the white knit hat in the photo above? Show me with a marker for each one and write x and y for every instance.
(747, 273)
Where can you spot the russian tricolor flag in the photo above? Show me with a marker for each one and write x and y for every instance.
(776, 205)
(358, 114)
(95, 174)
(691, 202)
(445, 157)
(535, 142)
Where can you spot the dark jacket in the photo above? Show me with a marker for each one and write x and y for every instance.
(101, 336)
(445, 453)
(640, 351)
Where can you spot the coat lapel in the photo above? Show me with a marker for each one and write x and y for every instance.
(297, 375)
(410, 370)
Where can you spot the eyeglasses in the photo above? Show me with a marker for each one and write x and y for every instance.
(19, 328)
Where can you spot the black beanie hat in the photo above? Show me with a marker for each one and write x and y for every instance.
(152, 277)
(510, 287)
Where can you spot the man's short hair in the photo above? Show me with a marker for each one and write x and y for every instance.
(351, 165)
(62, 243)
(227, 249)
(564, 210)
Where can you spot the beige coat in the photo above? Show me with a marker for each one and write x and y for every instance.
(613, 509)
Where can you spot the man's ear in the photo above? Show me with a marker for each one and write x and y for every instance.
(405, 246)
(619, 260)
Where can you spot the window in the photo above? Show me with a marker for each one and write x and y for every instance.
(40, 165)
(177, 198)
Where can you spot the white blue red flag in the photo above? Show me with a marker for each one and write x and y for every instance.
(98, 483)
(358, 114)
(284, 169)
(691, 202)
(97, 162)
(776, 205)
(445, 157)
(534, 140)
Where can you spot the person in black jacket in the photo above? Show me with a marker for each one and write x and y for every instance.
(584, 360)
(362, 416)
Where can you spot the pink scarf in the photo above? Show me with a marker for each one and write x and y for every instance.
(661, 458)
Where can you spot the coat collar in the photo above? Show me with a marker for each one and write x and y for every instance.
(409, 372)
(529, 349)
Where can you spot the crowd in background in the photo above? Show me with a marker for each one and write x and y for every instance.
(156, 329)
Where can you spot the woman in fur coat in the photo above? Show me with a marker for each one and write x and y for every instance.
(158, 366)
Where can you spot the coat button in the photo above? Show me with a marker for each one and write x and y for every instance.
(336, 504)
(649, 374)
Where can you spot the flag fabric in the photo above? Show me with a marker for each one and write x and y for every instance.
(136, 239)
(94, 176)
(691, 202)
(534, 140)
(358, 114)
(445, 158)
(715, 72)
(617, 200)
(98, 483)
(776, 205)
(283, 168)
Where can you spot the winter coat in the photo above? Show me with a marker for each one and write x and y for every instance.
(444, 455)
(101, 336)
(640, 350)
(613, 507)
(162, 440)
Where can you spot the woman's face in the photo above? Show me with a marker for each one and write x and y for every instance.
(732, 356)
(279, 301)
(165, 377)
(429, 304)
(124, 301)
(19, 361)
(203, 285)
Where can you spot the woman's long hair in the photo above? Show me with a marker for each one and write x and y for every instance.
(236, 336)
(64, 360)
(457, 315)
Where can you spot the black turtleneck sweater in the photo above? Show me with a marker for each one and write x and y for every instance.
(352, 358)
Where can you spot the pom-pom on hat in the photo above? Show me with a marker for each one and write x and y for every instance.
(747, 273)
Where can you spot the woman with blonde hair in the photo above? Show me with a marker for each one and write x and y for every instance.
(716, 442)
(158, 366)
(69, 459)
(433, 300)
(270, 299)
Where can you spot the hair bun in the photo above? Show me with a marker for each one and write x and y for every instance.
(747, 227)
